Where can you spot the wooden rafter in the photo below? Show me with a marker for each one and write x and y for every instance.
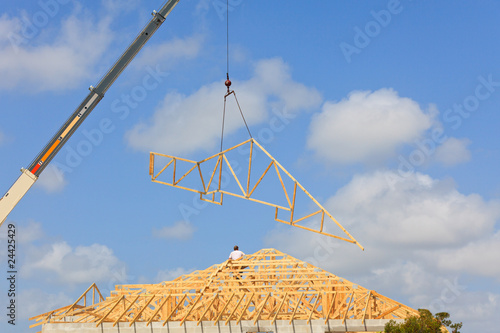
(278, 286)
(213, 189)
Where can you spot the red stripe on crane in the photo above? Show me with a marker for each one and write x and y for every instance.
(35, 168)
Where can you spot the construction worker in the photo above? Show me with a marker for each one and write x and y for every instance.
(236, 254)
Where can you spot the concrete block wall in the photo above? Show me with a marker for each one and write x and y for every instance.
(244, 326)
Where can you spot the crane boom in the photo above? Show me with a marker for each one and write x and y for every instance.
(30, 175)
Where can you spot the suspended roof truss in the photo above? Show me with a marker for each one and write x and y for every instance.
(209, 186)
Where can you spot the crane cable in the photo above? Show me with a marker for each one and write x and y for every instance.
(228, 84)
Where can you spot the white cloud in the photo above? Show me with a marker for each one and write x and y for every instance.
(475, 258)
(165, 275)
(394, 218)
(426, 244)
(25, 233)
(186, 123)
(30, 232)
(52, 179)
(171, 274)
(477, 308)
(54, 65)
(38, 61)
(8, 26)
(59, 262)
(409, 277)
(180, 230)
(438, 293)
(33, 302)
(453, 151)
(117, 6)
(414, 210)
(366, 126)
(168, 53)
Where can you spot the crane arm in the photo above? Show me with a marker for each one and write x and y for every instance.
(30, 175)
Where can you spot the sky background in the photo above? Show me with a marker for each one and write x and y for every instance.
(385, 111)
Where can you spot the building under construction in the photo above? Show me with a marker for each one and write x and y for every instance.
(268, 291)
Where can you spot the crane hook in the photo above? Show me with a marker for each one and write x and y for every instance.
(228, 82)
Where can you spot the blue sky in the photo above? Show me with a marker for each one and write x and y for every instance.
(385, 111)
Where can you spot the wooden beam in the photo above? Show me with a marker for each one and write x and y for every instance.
(190, 309)
(223, 309)
(313, 308)
(109, 312)
(385, 313)
(125, 311)
(366, 306)
(234, 310)
(279, 308)
(296, 307)
(330, 307)
(262, 307)
(206, 310)
(347, 309)
(245, 309)
(158, 309)
(174, 309)
(138, 314)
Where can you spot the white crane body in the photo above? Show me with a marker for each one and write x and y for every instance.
(30, 175)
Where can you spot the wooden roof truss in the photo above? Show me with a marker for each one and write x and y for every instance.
(267, 285)
(209, 185)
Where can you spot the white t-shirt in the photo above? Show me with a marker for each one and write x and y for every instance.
(235, 255)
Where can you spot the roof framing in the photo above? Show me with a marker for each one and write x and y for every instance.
(266, 285)
(209, 185)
